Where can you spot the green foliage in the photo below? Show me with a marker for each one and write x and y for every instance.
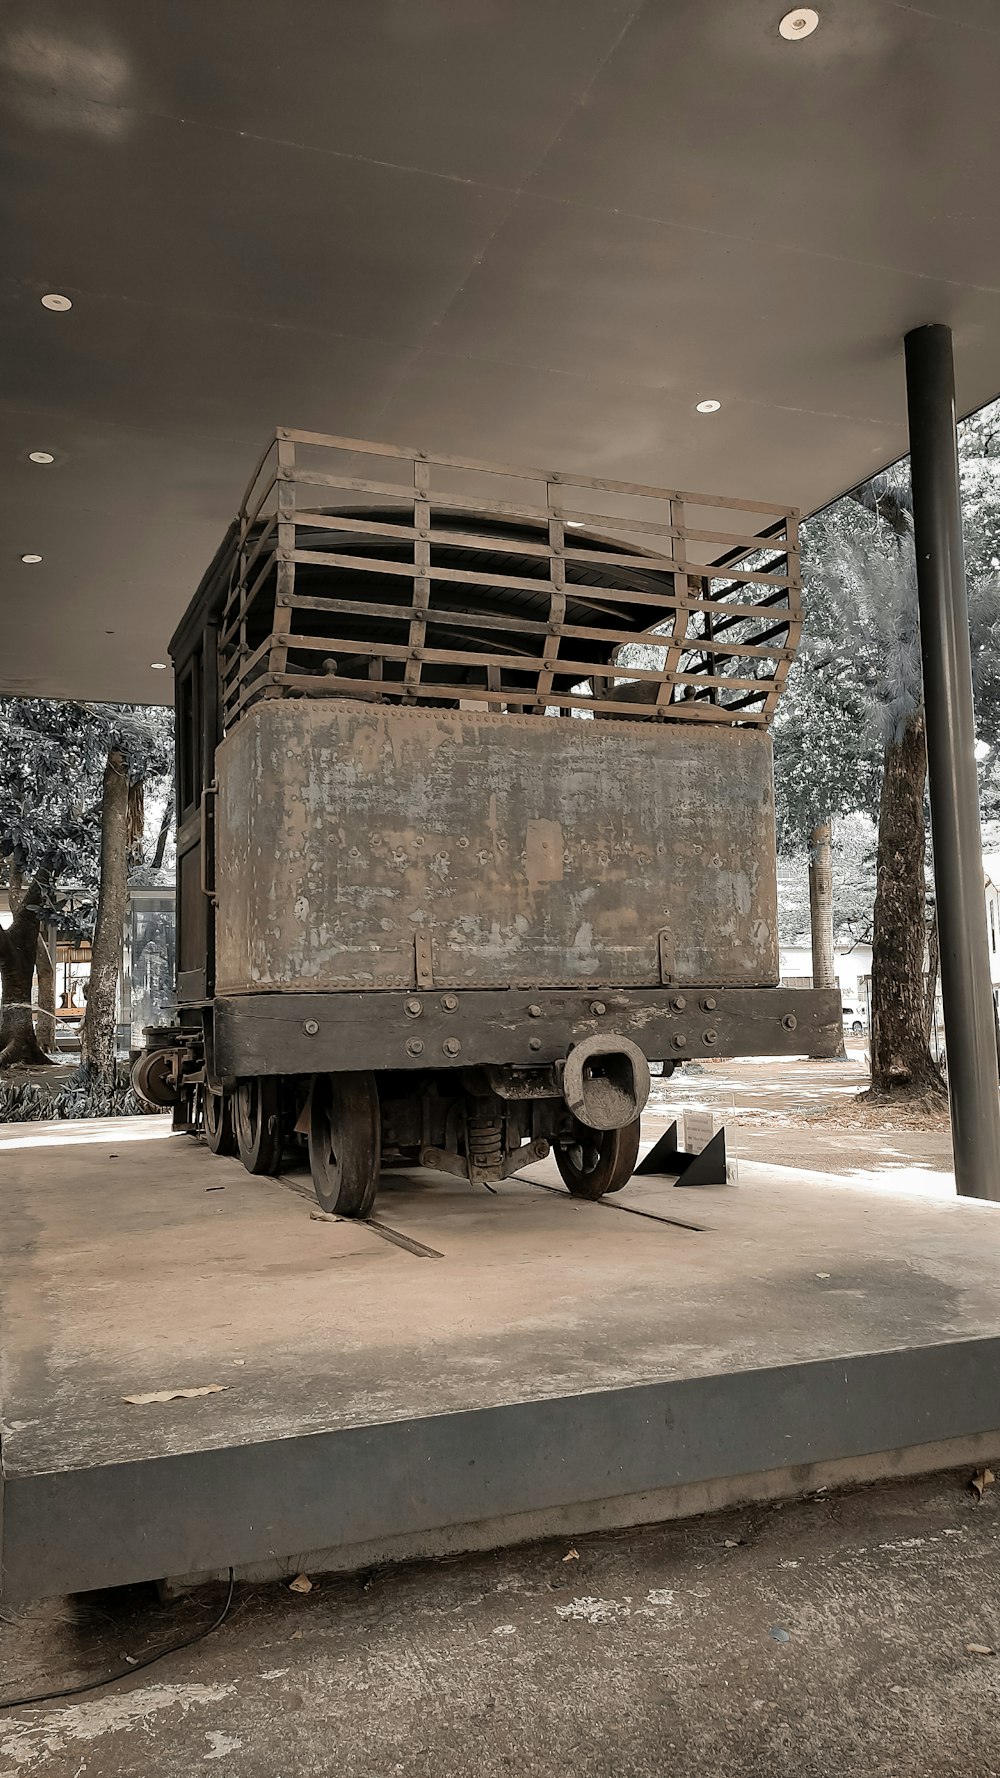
(857, 678)
(52, 759)
(853, 844)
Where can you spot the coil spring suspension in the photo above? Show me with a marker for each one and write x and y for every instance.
(484, 1145)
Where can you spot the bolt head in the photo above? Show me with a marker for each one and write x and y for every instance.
(310, 1027)
(451, 1046)
(449, 1002)
(679, 1041)
(710, 1037)
(678, 1003)
(534, 1043)
(598, 1006)
(790, 1021)
(709, 1003)
(534, 1012)
(412, 1008)
(414, 1047)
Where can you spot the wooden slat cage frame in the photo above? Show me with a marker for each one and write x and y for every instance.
(665, 636)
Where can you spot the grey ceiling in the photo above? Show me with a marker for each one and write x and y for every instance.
(537, 230)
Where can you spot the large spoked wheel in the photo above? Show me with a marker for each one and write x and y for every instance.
(260, 1137)
(598, 1161)
(220, 1131)
(345, 1142)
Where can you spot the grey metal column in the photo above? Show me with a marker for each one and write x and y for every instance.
(958, 853)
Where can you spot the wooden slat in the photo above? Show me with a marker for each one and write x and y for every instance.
(368, 448)
(360, 688)
(453, 657)
(514, 621)
(557, 609)
(421, 582)
(475, 577)
(329, 521)
(285, 582)
(693, 682)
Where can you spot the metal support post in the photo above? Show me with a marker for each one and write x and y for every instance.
(958, 856)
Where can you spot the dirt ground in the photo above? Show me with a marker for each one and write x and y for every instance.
(762, 1091)
(846, 1634)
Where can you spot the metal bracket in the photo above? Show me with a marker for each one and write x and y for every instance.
(706, 1168)
(665, 955)
(424, 961)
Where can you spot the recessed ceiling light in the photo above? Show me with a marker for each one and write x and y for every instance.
(31, 558)
(707, 407)
(52, 301)
(161, 666)
(41, 457)
(801, 22)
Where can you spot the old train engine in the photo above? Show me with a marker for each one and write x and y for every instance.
(475, 816)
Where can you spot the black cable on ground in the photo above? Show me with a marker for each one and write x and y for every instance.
(93, 1685)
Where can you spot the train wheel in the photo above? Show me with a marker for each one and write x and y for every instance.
(220, 1132)
(260, 1136)
(345, 1142)
(598, 1161)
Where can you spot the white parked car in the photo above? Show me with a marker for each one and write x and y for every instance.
(854, 1020)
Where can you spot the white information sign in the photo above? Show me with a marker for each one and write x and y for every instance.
(699, 1128)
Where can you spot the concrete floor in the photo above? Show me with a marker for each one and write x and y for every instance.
(137, 1261)
(824, 1637)
(828, 1637)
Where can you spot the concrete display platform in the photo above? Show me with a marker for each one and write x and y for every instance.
(470, 1369)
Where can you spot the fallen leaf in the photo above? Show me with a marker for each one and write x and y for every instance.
(732, 1543)
(572, 1556)
(301, 1584)
(982, 1480)
(142, 1401)
(978, 1648)
(777, 1634)
(322, 1216)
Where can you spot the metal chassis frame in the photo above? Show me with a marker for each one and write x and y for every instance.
(429, 1029)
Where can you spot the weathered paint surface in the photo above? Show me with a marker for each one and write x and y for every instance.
(532, 851)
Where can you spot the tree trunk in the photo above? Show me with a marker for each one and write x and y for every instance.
(933, 965)
(164, 834)
(821, 907)
(901, 1060)
(45, 1020)
(824, 969)
(19, 1047)
(98, 1031)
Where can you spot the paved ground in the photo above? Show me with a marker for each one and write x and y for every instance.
(827, 1637)
(779, 1110)
(847, 1634)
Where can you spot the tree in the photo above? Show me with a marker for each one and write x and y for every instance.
(861, 659)
(58, 824)
(19, 945)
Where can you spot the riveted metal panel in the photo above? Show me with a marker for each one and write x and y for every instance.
(528, 851)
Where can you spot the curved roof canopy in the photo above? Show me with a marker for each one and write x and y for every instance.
(527, 230)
